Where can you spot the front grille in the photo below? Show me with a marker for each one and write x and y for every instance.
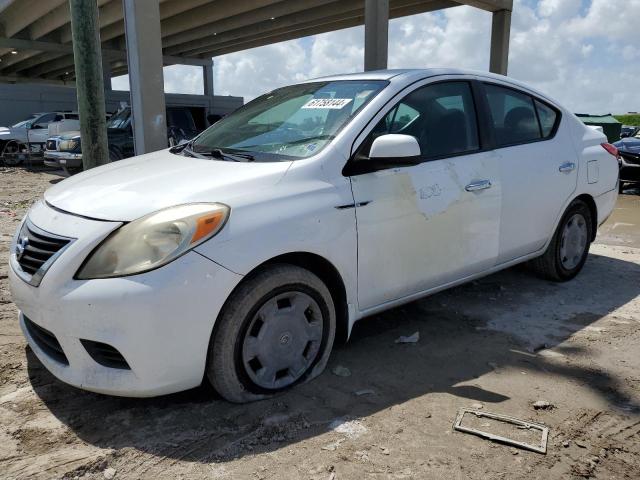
(47, 341)
(105, 355)
(35, 247)
(52, 145)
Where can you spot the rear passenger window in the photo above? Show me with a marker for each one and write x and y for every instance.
(513, 115)
(547, 116)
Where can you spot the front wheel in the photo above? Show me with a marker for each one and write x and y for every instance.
(275, 331)
(569, 248)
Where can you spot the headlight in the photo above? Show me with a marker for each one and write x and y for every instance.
(68, 145)
(154, 240)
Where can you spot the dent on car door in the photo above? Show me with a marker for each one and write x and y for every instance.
(422, 226)
(538, 167)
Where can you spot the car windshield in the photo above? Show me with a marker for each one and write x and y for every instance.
(24, 122)
(120, 119)
(291, 122)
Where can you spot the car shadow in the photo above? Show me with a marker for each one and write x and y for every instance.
(499, 322)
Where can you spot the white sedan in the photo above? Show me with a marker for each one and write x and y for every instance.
(240, 256)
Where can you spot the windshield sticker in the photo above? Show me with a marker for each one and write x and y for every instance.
(330, 103)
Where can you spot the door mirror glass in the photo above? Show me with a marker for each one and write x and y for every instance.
(396, 148)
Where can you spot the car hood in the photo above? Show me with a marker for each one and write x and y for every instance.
(10, 132)
(70, 135)
(630, 144)
(130, 189)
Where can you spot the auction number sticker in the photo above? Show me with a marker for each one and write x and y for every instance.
(330, 103)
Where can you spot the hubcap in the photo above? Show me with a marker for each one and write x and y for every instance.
(283, 340)
(573, 242)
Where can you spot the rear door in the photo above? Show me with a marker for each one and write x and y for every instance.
(538, 168)
(423, 226)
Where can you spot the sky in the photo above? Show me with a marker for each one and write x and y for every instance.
(583, 53)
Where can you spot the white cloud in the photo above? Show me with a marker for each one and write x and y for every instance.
(177, 79)
(582, 52)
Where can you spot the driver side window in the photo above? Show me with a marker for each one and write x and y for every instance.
(441, 117)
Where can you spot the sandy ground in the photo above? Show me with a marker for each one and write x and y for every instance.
(501, 343)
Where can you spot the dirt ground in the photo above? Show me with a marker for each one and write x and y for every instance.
(501, 343)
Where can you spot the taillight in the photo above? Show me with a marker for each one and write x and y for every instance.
(611, 149)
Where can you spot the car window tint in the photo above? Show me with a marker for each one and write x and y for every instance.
(547, 116)
(441, 117)
(72, 116)
(400, 117)
(180, 118)
(48, 118)
(513, 115)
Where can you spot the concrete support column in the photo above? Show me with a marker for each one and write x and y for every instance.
(87, 55)
(146, 81)
(207, 77)
(500, 33)
(376, 34)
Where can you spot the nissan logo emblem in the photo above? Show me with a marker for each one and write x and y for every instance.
(21, 246)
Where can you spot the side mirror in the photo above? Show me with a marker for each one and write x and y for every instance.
(395, 148)
(387, 151)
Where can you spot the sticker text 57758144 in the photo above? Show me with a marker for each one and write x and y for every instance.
(331, 103)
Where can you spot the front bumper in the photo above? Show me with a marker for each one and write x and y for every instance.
(630, 167)
(64, 159)
(159, 321)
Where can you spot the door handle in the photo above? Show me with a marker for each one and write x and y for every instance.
(476, 186)
(567, 167)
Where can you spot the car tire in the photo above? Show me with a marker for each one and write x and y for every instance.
(620, 186)
(567, 253)
(275, 331)
(11, 153)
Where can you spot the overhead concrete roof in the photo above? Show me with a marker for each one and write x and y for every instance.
(35, 35)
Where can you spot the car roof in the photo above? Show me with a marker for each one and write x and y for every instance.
(408, 75)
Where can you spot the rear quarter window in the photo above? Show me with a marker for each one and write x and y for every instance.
(548, 118)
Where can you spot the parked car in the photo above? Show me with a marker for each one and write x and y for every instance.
(239, 256)
(65, 151)
(35, 131)
(629, 131)
(629, 150)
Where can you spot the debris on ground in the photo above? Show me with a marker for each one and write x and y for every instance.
(341, 371)
(409, 339)
(109, 473)
(349, 428)
(333, 446)
(477, 406)
(543, 405)
(539, 448)
(366, 391)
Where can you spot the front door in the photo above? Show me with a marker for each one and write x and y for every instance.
(423, 226)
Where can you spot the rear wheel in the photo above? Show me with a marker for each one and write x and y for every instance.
(14, 152)
(275, 331)
(569, 248)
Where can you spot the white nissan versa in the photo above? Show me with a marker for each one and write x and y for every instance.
(242, 254)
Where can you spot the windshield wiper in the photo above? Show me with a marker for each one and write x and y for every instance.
(233, 156)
